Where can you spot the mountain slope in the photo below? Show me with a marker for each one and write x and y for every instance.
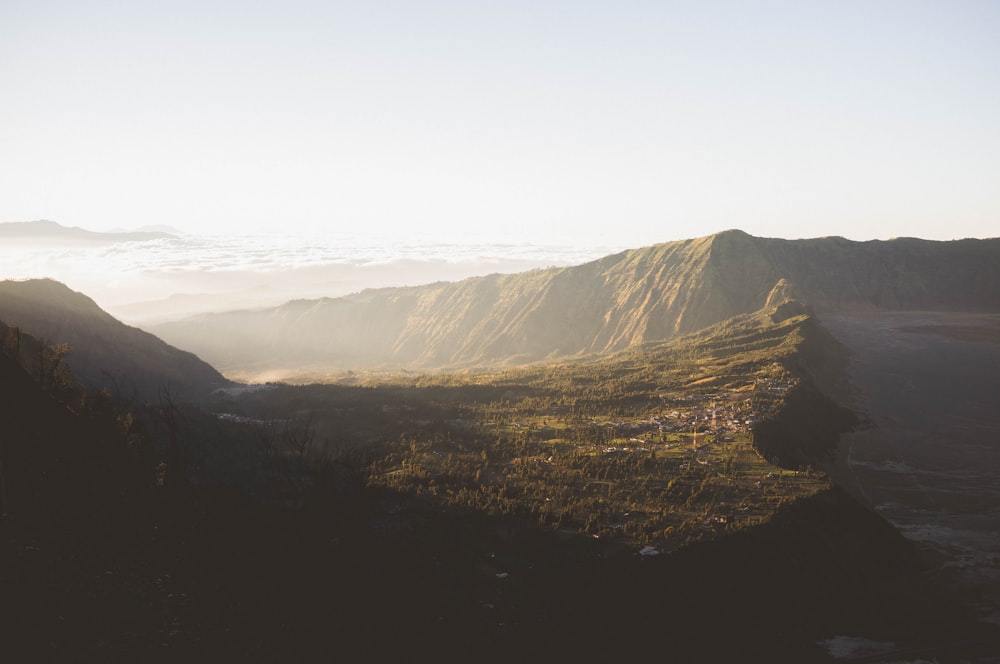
(104, 352)
(606, 305)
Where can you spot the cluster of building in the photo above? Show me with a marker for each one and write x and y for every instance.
(719, 414)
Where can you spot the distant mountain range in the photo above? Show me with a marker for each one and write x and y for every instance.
(52, 232)
(104, 352)
(606, 305)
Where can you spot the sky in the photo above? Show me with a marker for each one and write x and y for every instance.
(586, 123)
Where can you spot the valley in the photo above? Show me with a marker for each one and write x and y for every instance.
(652, 447)
(493, 512)
(927, 458)
(666, 444)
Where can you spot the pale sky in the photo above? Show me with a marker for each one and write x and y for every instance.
(623, 123)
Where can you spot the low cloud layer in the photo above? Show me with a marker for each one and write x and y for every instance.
(174, 277)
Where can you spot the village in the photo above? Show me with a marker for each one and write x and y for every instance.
(702, 418)
(649, 484)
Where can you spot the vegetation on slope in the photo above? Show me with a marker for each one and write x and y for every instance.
(651, 446)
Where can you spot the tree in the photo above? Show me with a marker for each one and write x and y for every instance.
(3, 486)
(288, 450)
(11, 341)
(175, 472)
(60, 379)
(53, 374)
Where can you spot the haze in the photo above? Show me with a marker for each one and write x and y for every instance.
(586, 124)
(162, 278)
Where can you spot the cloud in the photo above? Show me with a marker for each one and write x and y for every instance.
(142, 281)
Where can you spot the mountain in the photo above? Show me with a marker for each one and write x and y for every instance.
(50, 232)
(104, 352)
(606, 305)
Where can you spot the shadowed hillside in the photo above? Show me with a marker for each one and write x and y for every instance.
(101, 351)
(607, 305)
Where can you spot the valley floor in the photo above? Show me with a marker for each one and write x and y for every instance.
(929, 458)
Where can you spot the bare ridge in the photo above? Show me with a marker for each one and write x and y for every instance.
(605, 305)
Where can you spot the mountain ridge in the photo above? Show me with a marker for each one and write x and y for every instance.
(104, 352)
(605, 305)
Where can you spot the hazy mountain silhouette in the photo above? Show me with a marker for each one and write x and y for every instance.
(104, 352)
(606, 305)
(44, 231)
